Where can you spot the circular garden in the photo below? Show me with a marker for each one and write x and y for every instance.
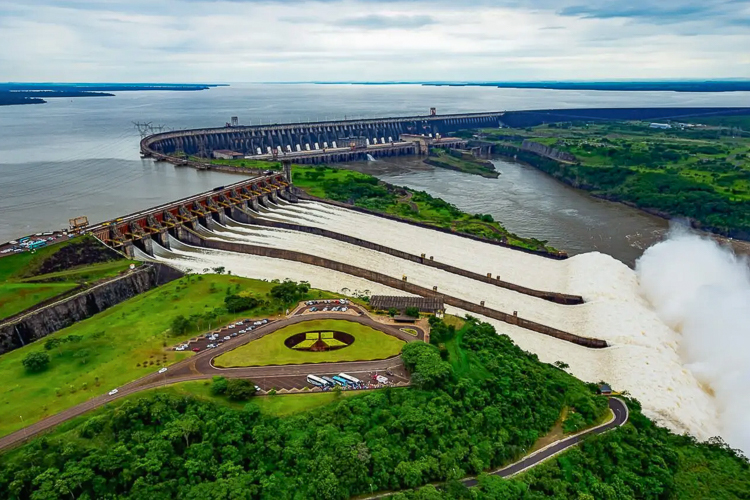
(319, 341)
(313, 341)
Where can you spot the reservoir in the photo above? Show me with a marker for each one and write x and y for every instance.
(74, 157)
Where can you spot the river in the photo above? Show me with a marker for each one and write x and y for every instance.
(532, 204)
(73, 157)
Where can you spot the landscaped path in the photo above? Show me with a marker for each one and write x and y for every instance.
(200, 367)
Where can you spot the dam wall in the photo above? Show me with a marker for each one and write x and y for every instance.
(191, 238)
(247, 140)
(63, 313)
(559, 298)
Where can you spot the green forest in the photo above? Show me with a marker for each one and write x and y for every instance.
(477, 402)
(697, 172)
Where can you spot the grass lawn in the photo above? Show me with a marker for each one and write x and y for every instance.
(270, 350)
(16, 297)
(114, 343)
(21, 287)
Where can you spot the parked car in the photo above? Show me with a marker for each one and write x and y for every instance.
(113, 392)
(196, 349)
(235, 333)
(227, 337)
(264, 321)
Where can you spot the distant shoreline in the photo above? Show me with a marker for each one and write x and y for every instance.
(645, 86)
(12, 94)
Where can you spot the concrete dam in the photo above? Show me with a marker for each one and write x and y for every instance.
(376, 136)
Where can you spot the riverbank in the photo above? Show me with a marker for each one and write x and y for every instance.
(695, 173)
(366, 191)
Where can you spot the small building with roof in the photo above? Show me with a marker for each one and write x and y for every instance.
(432, 305)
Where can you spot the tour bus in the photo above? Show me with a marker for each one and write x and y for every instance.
(330, 381)
(340, 381)
(314, 380)
(37, 244)
(23, 240)
(351, 380)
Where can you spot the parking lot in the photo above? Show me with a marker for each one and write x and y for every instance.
(217, 337)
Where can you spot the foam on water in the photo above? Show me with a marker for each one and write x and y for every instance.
(644, 357)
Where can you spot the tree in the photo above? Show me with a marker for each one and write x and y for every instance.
(392, 312)
(53, 343)
(412, 311)
(180, 325)
(290, 291)
(237, 303)
(427, 367)
(36, 361)
(240, 389)
(219, 386)
(219, 270)
(83, 355)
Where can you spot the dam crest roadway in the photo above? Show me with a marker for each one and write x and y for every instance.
(318, 142)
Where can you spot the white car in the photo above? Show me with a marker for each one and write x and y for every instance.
(112, 392)
(162, 370)
(227, 337)
(344, 308)
(382, 379)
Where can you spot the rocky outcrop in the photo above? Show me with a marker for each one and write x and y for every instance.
(58, 315)
(547, 151)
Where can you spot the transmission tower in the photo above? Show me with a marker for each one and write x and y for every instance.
(144, 128)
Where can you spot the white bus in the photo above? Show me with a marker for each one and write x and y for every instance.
(314, 380)
(349, 378)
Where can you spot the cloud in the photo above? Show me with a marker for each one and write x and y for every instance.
(316, 40)
(380, 22)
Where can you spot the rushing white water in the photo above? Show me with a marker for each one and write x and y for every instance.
(702, 290)
(644, 357)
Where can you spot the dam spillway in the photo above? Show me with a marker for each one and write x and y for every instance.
(642, 354)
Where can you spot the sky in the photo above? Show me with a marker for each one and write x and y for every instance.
(372, 40)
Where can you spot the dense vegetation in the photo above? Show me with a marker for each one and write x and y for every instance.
(29, 278)
(368, 192)
(462, 162)
(483, 406)
(701, 173)
(169, 447)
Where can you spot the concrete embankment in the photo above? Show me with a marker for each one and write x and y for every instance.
(62, 313)
(304, 196)
(560, 298)
(191, 238)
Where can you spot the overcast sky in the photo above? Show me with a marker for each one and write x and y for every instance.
(371, 40)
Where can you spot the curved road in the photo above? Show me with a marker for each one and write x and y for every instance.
(620, 412)
(200, 367)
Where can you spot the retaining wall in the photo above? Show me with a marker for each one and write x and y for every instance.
(559, 298)
(192, 238)
(42, 322)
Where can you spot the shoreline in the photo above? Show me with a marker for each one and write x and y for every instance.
(741, 244)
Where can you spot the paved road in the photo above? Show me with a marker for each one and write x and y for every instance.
(200, 367)
(620, 411)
